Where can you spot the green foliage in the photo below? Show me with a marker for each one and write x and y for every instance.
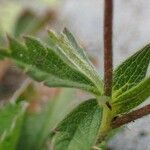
(70, 39)
(130, 88)
(132, 97)
(67, 48)
(25, 23)
(131, 71)
(78, 131)
(38, 124)
(62, 62)
(72, 53)
(28, 22)
(11, 118)
(43, 64)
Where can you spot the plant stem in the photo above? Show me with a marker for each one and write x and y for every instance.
(139, 113)
(105, 124)
(108, 61)
(108, 67)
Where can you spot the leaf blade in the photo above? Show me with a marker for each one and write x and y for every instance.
(79, 129)
(133, 97)
(131, 71)
(75, 44)
(45, 65)
(38, 125)
(75, 58)
(11, 118)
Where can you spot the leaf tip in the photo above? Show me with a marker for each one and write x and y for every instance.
(65, 30)
(9, 38)
(28, 38)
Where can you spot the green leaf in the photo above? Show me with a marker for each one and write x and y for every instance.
(25, 23)
(37, 125)
(28, 22)
(78, 131)
(131, 72)
(132, 97)
(74, 57)
(75, 45)
(45, 65)
(11, 118)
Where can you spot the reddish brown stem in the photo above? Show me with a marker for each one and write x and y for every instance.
(108, 65)
(139, 113)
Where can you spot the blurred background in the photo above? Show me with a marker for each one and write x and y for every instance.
(84, 18)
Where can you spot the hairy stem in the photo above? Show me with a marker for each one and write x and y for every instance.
(108, 61)
(108, 68)
(139, 113)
